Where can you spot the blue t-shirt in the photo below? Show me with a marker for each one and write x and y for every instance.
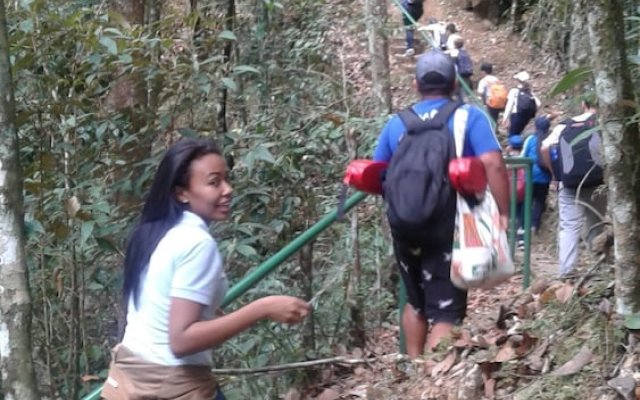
(479, 136)
(529, 149)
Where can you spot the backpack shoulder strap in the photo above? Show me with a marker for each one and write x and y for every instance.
(415, 124)
(445, 112)
(459, 129)
(411, 120)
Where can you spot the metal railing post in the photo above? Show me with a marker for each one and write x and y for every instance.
(515, 163)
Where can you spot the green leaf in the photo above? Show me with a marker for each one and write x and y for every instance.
(86, 229)
(106, 244)
(262, 153)
(584, 135)
(242, 69)
(227, 35)
(632, 322)
(95, 286)
(26, 25)
(114, 32)
(230, 84)
(110, 44)
(102, 128)
(125, 58)
(188, 132)
(246, 250)
(570, 80)
(634, 59)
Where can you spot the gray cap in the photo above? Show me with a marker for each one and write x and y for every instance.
(435, 70)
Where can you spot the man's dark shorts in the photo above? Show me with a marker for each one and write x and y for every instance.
(425, 273)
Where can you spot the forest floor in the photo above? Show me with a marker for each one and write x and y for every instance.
(515, 343)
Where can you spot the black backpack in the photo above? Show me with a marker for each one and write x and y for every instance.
(527, 106)
(579, 163)
(420, 200)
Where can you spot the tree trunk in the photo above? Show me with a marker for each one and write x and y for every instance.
(221, 116)
(579, 49)
(16, 364)
(621, 142)
(376, 17)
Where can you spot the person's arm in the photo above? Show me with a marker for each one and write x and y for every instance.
(198, 271)
(189, 335)
(484, 144)
(383, 151)
(511, 99)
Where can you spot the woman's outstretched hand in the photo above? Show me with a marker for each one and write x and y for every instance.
(287, 309)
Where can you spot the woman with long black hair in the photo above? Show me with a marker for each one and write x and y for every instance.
(174, 283)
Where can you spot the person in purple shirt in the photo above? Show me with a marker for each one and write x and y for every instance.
(435, 304)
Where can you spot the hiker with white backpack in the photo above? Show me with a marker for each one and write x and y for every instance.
(522, 105)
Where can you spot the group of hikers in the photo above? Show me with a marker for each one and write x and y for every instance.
(569, 154)
(174, 280)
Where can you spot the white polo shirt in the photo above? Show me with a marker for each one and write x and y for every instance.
(186, 264)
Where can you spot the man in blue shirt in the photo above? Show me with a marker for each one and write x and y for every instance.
(435, 304)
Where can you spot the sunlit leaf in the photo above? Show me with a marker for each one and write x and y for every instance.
(584, 135)
(114, 32)
(246, 250)
(26, 25)
(570, 80)
(227, 35)
(262, 153)
(86, 229)
(241, 69)
(230, 84)
(110, 44)
(632, 322)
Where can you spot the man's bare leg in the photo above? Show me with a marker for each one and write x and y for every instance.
(439, 330)
(415, 328)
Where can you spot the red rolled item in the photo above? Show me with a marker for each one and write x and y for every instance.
(467, 175)
(365, 175)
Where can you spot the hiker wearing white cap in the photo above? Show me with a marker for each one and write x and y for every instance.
(522, 105)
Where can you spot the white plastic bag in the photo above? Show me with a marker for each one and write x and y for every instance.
(481, 257)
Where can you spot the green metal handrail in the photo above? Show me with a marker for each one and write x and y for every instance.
(264, 269)
(516, 163)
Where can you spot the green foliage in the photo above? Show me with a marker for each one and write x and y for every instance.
(571, 80)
